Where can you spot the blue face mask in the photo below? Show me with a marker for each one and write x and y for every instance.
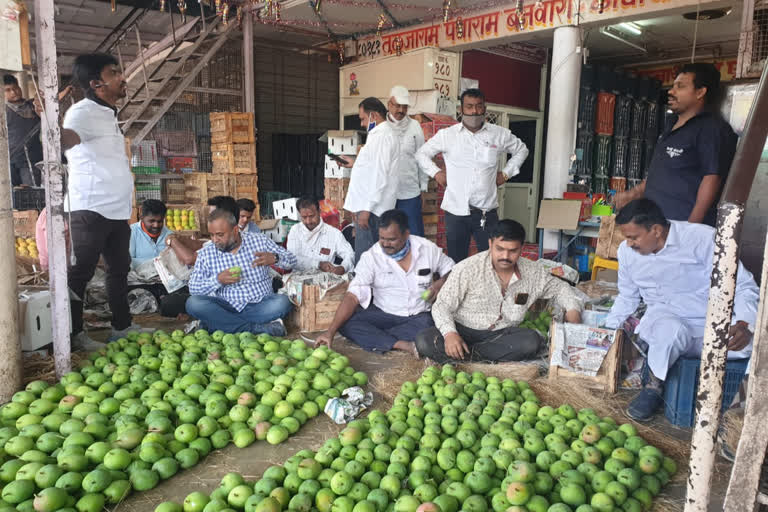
(371, 123)
(402, 253)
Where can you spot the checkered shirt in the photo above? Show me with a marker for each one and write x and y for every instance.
(255, 282)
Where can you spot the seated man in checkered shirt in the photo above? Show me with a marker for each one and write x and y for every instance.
(230, 285)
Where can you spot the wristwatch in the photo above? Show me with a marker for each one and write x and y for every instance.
(277, 257)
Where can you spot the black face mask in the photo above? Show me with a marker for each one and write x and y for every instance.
(229, 247)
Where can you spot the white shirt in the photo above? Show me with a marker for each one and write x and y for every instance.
(373, 184)
(676, 280)
(100, 177)
(471, 163)
(323, 243)
(393, 290)
(413, 181)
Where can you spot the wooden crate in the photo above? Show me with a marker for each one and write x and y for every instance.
(25, 223)
(314, 314)
(233, 158)
(201, 186)
(175, 191)
(609, 238)
(336, 191)
(429, 203)
(231, 127)
(607, 377)
(201, 218)
(430, 230)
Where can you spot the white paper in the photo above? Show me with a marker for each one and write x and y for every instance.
(580, 348)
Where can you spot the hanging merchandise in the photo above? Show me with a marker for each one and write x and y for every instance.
(218, 7)
(225, 14)
(317, 6)
(340, 49)
(601, 7)
(183, 10)
(278, 18)
(520, 17)
(398, 44)
(380, 24)
(459, 28)
(114, 5)
(162, 5)
(446, 10)
(240, 15)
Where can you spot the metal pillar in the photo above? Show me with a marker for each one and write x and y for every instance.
(721, 296)
(10, 363)
(54, 183)
(249, 81)
(562, 116)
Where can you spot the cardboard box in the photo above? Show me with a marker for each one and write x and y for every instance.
(35, 327)
(343, 142)
(276, 229)
(24, 223)
(609, 238)
(334, 170)
(559, 214)
(316, 314)
(144, 154)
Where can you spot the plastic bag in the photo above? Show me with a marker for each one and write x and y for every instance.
(142, 301)
(351, 403)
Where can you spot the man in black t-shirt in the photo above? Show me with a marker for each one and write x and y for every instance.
(693, 156)
(23, 134)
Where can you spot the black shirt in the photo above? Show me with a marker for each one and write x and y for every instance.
(23, 129)
(704, 145)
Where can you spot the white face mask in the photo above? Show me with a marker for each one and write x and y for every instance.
(474, 121)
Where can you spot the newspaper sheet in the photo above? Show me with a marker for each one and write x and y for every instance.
(293, 283)
(581, 348)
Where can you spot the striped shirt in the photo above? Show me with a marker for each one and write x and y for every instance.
(255, 282)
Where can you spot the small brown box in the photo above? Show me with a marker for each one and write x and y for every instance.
(233, 158)
(315, 314)
(609, 238)
(231, 127)
(25, 223)
(336, 191)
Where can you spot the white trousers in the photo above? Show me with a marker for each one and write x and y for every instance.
(670, 337)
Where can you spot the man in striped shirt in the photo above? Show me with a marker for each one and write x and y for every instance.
(231, 287)
(317, 245)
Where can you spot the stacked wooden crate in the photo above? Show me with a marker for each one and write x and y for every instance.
(233, 154)
(336, 177)
(430, 211)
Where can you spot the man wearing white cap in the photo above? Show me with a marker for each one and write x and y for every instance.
(412, 180)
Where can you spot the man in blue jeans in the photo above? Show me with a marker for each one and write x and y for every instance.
(231, 287)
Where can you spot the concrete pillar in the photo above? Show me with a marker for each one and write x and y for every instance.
(563, 111)
(249, 79)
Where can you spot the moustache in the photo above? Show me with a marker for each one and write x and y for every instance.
(505, 261)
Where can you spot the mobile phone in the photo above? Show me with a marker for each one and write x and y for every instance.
(337, 158)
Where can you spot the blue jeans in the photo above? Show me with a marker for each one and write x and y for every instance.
(412, 208)
(377, 331)
(366, 238)
(216, 314)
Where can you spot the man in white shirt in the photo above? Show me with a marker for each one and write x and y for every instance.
(373, 184)
(316, 245)
(412, 180)
(99, 192)
(388, 302)
(471, 151)
(668, 264)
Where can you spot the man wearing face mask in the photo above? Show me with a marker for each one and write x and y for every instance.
(230, 285)
(412, 180)
(471, 150)
(373, 184)
(395, 282)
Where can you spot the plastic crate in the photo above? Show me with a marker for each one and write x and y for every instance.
(28, 198)
(606, 104)
(683, 381)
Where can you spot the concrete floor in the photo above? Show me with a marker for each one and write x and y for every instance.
(252, 461)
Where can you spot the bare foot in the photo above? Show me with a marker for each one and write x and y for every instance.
(407, 346)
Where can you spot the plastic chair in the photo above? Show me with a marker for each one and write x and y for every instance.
(603, 263)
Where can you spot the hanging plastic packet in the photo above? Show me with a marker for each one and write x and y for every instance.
(352, 402)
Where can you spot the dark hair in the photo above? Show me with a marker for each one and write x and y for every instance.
(372, 104)
(246, 204)
(89, 67)
(398, 217)
(153, 207)
(223, 213)
(307, 202)
(706, 75)
(225, 203)
(10, 80)
(509, 231)
(472, 93)
(642, 212)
